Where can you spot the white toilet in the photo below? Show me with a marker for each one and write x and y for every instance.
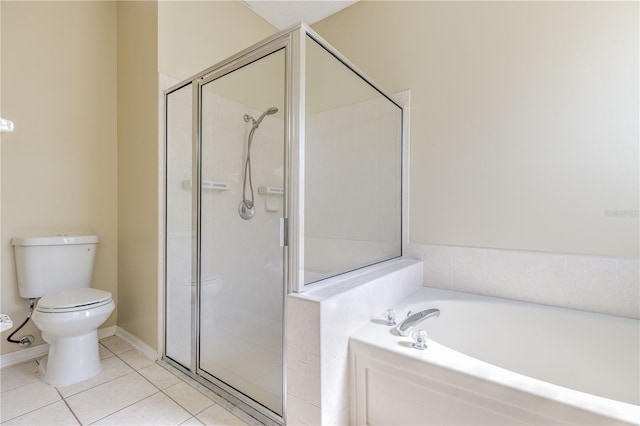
(58, 270)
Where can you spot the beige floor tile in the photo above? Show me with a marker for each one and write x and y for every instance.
(116, 344)
(19, 375)
(112, 368)
(158, 409)
(56, 414)
(118, 395)
(192, 422)
(22, 400)
(135, 359)
(104, 352)
(107, 398)
(216, 415)
(188, 397)
(159, 376)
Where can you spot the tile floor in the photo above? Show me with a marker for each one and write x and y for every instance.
(246, 353)
(130, 390)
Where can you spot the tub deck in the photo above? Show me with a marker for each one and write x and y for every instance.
(481, 363)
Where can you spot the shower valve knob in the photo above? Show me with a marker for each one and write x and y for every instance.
(390, 317)
(419, 339)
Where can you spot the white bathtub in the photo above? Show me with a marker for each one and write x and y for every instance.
(495, 361)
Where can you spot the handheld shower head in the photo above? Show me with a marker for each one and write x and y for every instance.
(270, 111)
(246, 208)
(257, 122)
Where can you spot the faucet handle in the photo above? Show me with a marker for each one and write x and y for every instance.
(390, 317)
(419, 337)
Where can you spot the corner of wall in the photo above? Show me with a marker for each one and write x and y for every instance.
(138, 217)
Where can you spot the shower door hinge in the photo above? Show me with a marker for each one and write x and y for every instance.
(284, 232)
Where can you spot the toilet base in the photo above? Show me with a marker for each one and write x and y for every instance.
(71, 359)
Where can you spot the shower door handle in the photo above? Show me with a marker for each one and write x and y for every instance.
(284, 234)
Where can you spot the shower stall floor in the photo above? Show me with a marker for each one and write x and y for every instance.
(245, 353)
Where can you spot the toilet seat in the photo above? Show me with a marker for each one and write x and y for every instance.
(79, 299)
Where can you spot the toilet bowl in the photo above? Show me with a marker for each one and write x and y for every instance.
(57, 270)
(69, 321)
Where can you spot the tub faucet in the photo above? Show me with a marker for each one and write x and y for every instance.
(407, 325)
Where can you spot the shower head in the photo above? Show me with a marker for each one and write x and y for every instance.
(246, 208)
(257, 122)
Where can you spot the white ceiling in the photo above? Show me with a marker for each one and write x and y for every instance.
(283, 14)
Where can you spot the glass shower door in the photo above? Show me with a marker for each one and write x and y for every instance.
(180, 284)
(241, 289)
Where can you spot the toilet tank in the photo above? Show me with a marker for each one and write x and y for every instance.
(51, 264)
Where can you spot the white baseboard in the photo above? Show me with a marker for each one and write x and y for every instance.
(138, 344)
(103, 333)
(23, 355)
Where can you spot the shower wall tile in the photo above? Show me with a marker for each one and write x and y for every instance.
(303, 361)
(413, 251)
(438, 266)
(592, 283)
(317, 389)
(302, 331)
(335, 140)
(335, 388)
(468, 269)
(628, 287)
(545, 279)
(504, 273)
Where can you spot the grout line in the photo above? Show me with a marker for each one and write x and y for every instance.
(211, 395)
(108, 381)
(185, 408)
(217, 399)
(100, 384)
(28, 412)
(120, 409)
(69, 407)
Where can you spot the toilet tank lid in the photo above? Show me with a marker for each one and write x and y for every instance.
(57, 240)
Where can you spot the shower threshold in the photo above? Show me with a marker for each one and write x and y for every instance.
(241, 409)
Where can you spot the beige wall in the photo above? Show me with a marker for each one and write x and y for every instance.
(59, 167)
(524, 130)
(0, 152)
(524, 117)
(80, 81)
(138, 184)
(177, 38)
(194, 35)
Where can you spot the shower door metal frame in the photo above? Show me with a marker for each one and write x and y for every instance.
(282, 41)
(293, 42)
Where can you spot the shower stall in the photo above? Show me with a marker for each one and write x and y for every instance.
(283, 168)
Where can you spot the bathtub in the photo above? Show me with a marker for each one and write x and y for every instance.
(496, 361)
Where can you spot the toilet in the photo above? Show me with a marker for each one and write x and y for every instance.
(58, 271)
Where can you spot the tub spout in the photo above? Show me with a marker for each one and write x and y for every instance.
(408, 324)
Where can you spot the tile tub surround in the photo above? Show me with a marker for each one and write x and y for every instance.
(319, 323)
(130, 390)
(600, 284)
